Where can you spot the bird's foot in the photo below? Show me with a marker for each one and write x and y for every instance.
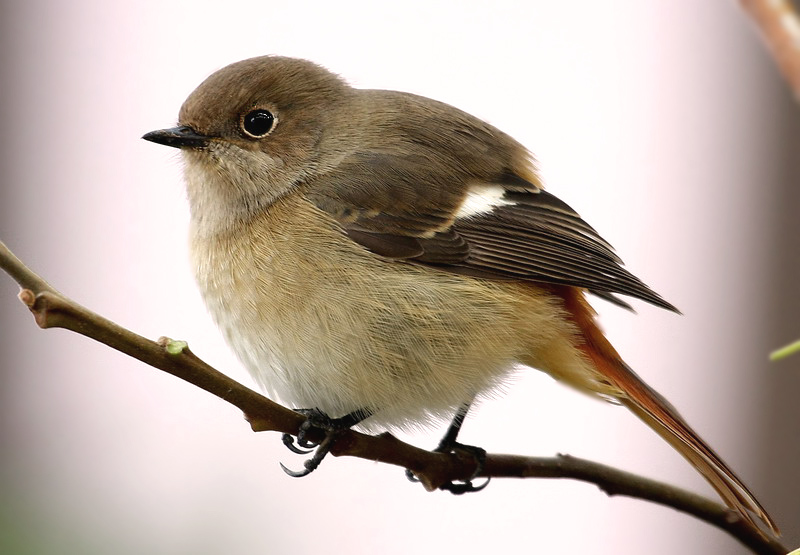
(458, 487)
(331, 427)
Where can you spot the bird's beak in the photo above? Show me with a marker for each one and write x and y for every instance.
(179, 137)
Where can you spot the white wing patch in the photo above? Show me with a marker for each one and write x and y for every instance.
(481, 199)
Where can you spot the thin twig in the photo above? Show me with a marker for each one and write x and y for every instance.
(785, 351)
(52, 309)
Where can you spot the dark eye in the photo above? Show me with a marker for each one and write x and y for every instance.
(258, 123)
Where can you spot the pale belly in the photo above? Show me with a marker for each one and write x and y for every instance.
(322, 323)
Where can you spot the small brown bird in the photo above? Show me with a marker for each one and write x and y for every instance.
(384, 258)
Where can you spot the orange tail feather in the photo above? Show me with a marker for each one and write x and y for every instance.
(661, 416)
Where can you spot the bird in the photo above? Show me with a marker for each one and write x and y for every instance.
(380, 259)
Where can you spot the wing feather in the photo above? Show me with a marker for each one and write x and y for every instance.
(514, 230)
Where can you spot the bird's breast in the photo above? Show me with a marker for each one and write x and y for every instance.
(323, 323)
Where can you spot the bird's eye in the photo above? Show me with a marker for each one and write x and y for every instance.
(258, 123)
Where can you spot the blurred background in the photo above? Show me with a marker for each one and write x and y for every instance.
(665, 124)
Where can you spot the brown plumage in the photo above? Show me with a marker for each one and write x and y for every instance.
(660, 415)
(366, 249)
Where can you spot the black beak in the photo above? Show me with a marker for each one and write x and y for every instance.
(179, 137)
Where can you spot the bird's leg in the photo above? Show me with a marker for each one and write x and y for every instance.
(449, 439)
(332, 427)
(448, 444)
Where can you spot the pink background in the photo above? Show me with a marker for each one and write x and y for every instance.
(663, 123)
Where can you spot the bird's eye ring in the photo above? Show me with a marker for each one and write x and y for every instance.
(258, 123)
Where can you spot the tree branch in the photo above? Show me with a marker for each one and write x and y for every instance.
(780, 27)
(52, 309)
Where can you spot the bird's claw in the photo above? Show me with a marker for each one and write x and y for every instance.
(289, 442)
(315, 418)
(321, 451)
(458, 487)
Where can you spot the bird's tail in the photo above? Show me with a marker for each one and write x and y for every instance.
(662, 417)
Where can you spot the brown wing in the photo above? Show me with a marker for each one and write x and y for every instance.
(538, 237)
(520, 231)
